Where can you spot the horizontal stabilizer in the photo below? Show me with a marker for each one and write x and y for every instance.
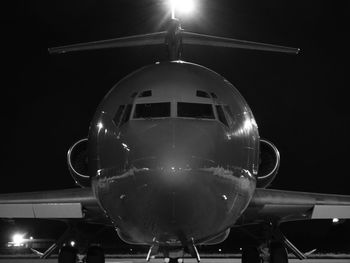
(206, 40)
(166, 37)
(131, 41)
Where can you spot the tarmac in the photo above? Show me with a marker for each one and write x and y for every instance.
(205, 260)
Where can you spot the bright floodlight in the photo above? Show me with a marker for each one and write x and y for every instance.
(18, 239)
(182, 6)
(335, 220)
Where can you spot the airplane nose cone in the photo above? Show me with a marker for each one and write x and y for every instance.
(174, 185)
(172, 144)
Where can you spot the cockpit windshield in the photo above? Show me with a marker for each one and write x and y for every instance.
(152, 110)
(195, 110)
(145, 105)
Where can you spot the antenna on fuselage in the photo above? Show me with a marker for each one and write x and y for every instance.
(174, 38)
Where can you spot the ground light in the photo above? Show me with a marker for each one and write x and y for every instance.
(18, 239)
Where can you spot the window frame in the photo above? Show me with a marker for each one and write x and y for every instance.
(198, 118)
(150, 102)
(223, 114)
(202, 94)
(121, 114)
(143, 94)
(126, 117)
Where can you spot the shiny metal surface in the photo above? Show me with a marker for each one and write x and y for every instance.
(282, 206)
(269, 163)
(173, 178)
(77, 162)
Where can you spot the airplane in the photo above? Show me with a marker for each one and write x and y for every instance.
(174, 160)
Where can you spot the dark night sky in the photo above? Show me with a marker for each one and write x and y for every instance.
(300, 102)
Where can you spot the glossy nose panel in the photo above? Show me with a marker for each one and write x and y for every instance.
(106, 149)
(153, 144)
(171, 143)
(168, 205)
(168, 178)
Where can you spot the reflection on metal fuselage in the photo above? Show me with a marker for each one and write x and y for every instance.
(173, 179)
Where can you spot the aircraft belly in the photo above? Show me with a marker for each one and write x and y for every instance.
(173, 206)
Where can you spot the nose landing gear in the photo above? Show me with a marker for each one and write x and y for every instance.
(176, 254)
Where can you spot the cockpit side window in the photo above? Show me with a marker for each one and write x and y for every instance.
(213, 95)
(118, 115)
(203, 94)
(126, 115)
(152, 110)
(229, 115)
(195, 110)
(221, 115)
(146, 93)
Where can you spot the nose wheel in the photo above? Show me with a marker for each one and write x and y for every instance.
(174, 260)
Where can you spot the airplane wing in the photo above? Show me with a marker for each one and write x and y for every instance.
(282, 206)
(75, 203)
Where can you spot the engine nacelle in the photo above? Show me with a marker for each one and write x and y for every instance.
(218, 239)
(269, 163)
(77, 158)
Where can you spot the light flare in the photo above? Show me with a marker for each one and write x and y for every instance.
(18, 239)
(181, 6)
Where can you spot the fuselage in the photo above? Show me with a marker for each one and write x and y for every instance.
(173, 154)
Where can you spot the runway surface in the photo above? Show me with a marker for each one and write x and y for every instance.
(205, 260)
